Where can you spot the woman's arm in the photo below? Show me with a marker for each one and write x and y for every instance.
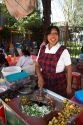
(69, 79)
(40, 77)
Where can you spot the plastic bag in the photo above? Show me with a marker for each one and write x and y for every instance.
(29, 69)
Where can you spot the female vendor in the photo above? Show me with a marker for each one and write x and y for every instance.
(53, 64)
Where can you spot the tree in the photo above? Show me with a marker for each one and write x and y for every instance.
(73, 12)
(34, 20)
(9, 20)
(26, 24)
(46, 14)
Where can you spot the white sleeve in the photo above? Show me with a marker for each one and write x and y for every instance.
(19, 63)
(66, 57)
(30, 60)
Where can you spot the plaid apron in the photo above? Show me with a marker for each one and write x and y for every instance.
(55, 82)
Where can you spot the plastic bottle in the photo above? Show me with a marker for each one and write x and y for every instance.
(2, 114)
(14, 58)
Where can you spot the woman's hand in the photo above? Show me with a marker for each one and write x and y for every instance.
(40, 77)
(69, 90)
(40, 82)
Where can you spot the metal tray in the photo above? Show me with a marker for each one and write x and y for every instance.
(16, 106)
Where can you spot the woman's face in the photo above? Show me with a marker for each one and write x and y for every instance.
(53, 37)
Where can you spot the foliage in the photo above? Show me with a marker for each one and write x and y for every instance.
(73, 12)
(23, 24)
(34, 19)
(74, 48)
(9, 19)
(5, 33)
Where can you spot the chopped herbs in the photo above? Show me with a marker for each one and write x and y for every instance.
(36, 110)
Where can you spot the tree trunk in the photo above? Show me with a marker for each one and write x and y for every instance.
(66, 34)
(46, 14)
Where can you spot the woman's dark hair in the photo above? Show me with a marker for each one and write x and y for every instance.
(26, 52)
(2, 57)
(1, 51)
(48, 31)
(3, 60)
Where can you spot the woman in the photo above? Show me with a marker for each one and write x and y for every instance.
(18, 49)
(53, 65)
(3, 61)
(25, 59)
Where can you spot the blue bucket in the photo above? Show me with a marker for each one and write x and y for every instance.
(79, 95)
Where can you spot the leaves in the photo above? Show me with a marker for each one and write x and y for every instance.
(73, 12)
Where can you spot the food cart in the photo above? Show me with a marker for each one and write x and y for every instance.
(15, 116)
(17, 97)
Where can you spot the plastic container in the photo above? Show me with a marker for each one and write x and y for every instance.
(10, 70)
(29, 69)
(79, 95)
(17, 76)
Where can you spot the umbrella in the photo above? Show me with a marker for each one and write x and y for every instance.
(20, 8)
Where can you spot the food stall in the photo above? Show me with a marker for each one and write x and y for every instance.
(25, 104)
(42, 107)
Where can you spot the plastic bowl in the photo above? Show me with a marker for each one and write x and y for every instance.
(10, 70)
